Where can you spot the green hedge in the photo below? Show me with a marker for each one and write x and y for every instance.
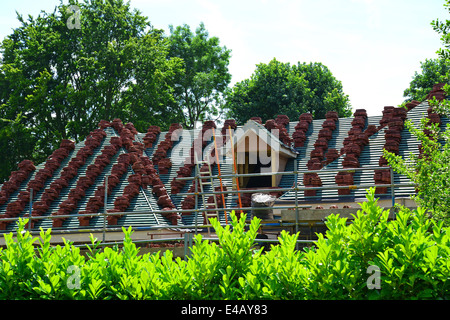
(371, 258)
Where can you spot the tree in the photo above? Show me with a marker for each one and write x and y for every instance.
(16, 141)
(199, 89)
(16, 144)
(280, 88)
(430, 171)
(149, 98)
(59, 81)
(443, 28)
(433, 71)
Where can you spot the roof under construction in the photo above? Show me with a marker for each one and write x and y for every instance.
(142, 168)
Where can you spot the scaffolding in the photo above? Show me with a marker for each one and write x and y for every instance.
(198, 211)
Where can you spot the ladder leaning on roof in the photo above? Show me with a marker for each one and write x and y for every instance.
(205, 179)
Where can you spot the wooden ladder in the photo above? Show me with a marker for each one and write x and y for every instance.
(205, 179)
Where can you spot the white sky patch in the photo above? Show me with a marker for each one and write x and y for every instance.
(372, 46)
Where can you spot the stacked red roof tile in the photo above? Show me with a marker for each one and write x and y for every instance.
(318, 153)
(299, 135)
(138, 167)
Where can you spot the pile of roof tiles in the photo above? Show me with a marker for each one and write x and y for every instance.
(356, 140)
(317, 154)
(227, 125)
(188, 202)
(394, 119)
(412, 104)
(282, 122)
(165, 202)
(52, 193)
(206, 133)
(279, 124)
(53, 162)
(103, 124)
(195, 153)
(151, 136)
(118, 170)
(437, 92)
(354, 144)
(321, 144)
(96, 202)
(127, 133)
(186, 169)
(160, 157)
(433, 119)
(256, 119)
(93, 141)
(144, 174)
(26, 167)
(299, 135)
(176, 185)
(331, 153)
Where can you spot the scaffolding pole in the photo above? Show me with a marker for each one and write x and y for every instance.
(234, 166)
(220, 176)
(196, 193)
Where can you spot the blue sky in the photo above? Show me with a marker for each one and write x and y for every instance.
(372, 46)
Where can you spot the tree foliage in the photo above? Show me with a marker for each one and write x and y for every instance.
(59, 82)
(432, 71)
(443, 28)
(16, 144)
(411, 255)
(199, 89)
(431, 171)
(64, 71)
(281, 88)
